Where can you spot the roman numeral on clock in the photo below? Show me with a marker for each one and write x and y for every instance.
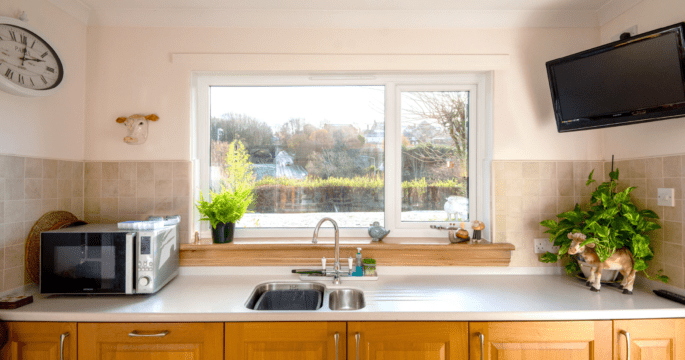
(13, 35)
(34, 43)
(21, 78)
(43, 78)
(44, 55)
(9, 73)
(47, 68)
(32, 84)
(24, 39)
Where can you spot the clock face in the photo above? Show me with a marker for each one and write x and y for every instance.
(28, 61)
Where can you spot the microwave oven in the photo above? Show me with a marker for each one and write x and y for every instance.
(103, 259)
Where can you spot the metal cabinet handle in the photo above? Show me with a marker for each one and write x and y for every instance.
(482, 343)
(61, 345)
(134, 333)
(357, 336)
(627, 335)
(337, 339)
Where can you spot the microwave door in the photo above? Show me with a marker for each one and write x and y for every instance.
(87, 263)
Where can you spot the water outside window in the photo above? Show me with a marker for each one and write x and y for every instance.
(315, 151)
(435, 155)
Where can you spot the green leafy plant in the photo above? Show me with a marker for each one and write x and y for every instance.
(612, 222)
(236, 195)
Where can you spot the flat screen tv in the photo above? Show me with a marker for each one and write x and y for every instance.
(638, 79)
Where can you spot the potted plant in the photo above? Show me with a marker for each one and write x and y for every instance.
(228, 206)
(612, 222)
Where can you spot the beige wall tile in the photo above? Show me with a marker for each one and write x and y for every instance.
(2, 218)
(640, 185)
(77, 171)
(14, 234)
(181, 170)
(181, 206)
(514, 187)
(549, 204)
(164, 170)
(33, 210)
(49, 169)
(673, 254)
(127, 171)
(77, 186)
(548, 187)
(500, 204)
(565, 170)
(64, 170)
(580, 189)
(50, 205)
(14, 167)
(110, 188)
(182, 187)
(145, 171)
(109, 206)
(163, 204)
(127, 206)
(127, 188)
(145, 188)
(163, 188)
(581, 170)
(145, 206)
(682, 165)
(514, 222)
(623, 167)
(14, 189)
(49, 188)
(673, 232)
(33, 168)
(652, 205)
(565, 187)
(565, 203)
(64, 204)
(514, 204)
(637, 168)
(93, 188)
(92, 206)
(654, 167)
(77, 207)
(531, 170)
(675, 275)
(500, 187)
(674, 213)
(63, 188)
(651, 187)
(2, 189)
(14, 277)
(531, 187)
(530, 205)
(14, 256)
(548, 170)
(33, 188)
(110, 170)
(93, 170)
(14, 211)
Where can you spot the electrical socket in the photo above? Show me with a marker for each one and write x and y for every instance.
(544, 245)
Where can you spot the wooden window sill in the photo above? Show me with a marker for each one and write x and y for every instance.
(232, 254)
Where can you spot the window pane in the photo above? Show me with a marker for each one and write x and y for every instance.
(315, 151)
(435, 155)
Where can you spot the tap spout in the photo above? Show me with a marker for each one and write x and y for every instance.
(315, 237)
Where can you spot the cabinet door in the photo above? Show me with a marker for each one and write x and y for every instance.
(285, 341)
(660, 339)
(573, 340)
(407, 340)
(150, 341)
(40, 341)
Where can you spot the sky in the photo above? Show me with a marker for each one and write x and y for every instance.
(357, 105)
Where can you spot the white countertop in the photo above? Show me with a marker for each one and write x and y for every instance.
(218, 298)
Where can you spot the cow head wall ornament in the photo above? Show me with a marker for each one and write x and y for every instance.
(136, 127)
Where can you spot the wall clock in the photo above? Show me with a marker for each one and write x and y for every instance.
(29, 63)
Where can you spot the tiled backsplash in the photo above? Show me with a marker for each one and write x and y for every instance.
(649, 174)
(527, 192)
(131, 190)
(30, 187)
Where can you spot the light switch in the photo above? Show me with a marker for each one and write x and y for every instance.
(665, 197)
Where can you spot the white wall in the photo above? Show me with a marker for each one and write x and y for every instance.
(656, 138)
(53, 126)
(130, 71)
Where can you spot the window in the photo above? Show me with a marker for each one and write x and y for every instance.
(400, 150)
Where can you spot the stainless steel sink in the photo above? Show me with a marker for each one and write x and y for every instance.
(274, 289)
(346, 299)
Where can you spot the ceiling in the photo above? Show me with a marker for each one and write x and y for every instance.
(382, 14)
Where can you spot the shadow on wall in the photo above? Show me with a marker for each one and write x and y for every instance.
(536, 85)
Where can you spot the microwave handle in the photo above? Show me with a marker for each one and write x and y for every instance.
(130, 262)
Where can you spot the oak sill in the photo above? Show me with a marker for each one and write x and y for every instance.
(498, 254)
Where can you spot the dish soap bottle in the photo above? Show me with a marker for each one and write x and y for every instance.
(359, 269)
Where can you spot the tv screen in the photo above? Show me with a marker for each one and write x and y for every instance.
(638, 79)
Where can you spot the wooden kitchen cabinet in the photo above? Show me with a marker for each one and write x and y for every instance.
(40, 341)
(653, 339)
(573, 340)
(407, 340)
(285, 341)
(150, 341)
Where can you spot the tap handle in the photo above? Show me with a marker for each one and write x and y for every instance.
(323, 263)
(349, 264)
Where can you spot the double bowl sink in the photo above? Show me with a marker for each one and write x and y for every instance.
(303, 296)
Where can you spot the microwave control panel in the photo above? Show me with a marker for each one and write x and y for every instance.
(145, 265)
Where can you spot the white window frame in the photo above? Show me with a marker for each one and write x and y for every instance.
(479, 86)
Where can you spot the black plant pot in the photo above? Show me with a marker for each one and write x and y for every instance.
(223, 233)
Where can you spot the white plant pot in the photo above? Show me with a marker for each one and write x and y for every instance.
(607, 275)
